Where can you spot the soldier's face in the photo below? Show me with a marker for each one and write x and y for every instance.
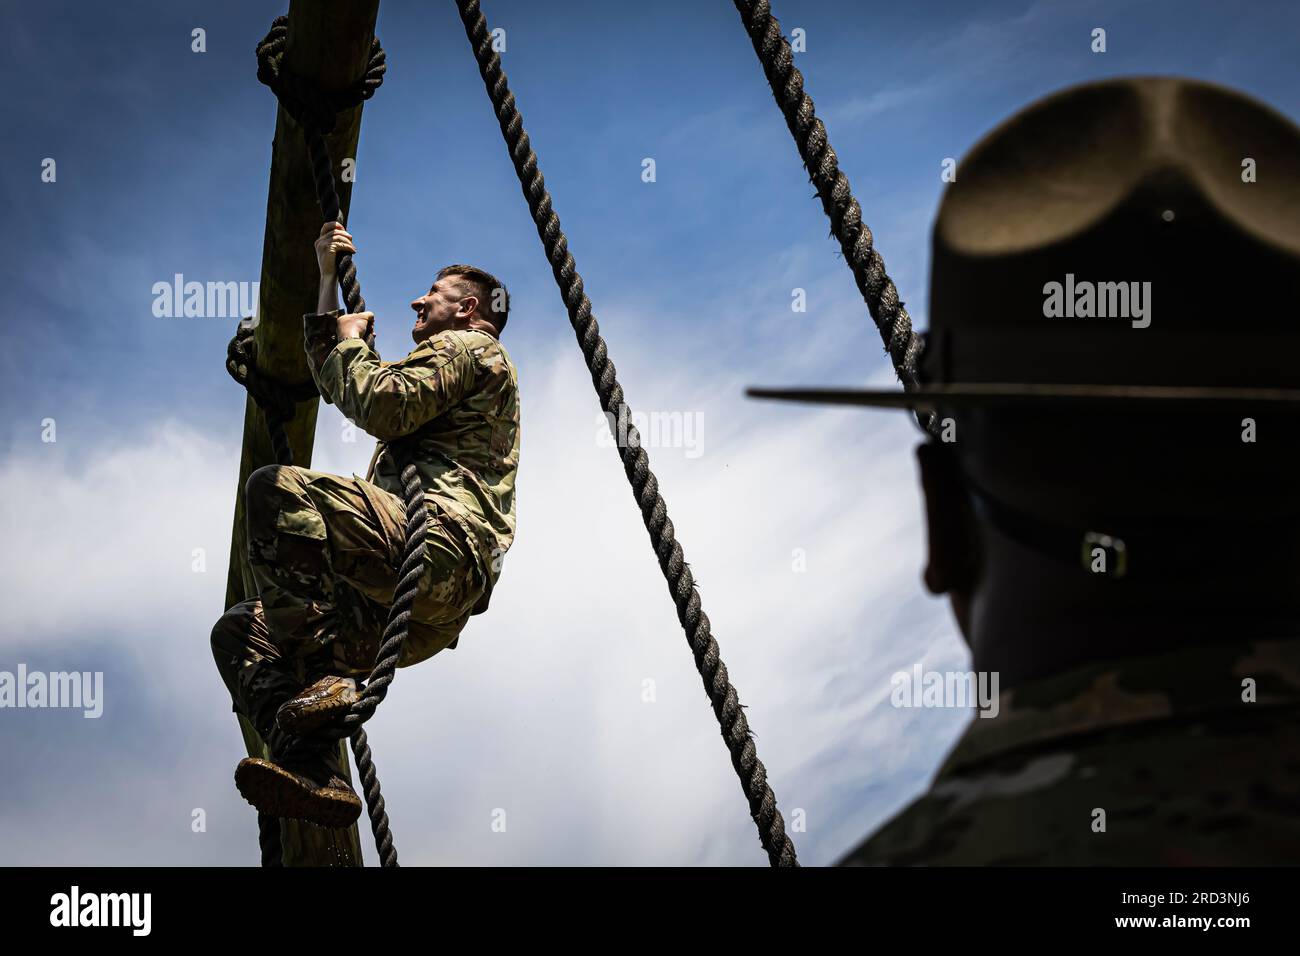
(445, 306)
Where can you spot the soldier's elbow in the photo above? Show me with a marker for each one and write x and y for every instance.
(384, 433)
(389, 427)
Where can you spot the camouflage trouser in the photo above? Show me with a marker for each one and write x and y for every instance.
(324, 552)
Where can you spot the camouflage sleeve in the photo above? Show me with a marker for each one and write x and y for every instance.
(392, 399)
(319, 336)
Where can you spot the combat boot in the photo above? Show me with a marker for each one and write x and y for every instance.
(320, 704)
(303, 780)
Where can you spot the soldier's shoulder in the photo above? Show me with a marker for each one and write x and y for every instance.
(487, 352)
(1174, 685)
(437, 349)
(1109, 734)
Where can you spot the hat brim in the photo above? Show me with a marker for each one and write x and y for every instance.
(982, 394)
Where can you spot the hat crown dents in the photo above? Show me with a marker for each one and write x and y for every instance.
(1064, 164)
(1137, 186)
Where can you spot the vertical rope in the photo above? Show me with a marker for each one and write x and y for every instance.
(314, 110)
(417, 522)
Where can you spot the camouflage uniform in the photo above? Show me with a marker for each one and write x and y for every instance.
(324, 550)
(1186, 770)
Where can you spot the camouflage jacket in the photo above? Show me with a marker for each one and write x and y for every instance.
(457, 395)
(1184, 758)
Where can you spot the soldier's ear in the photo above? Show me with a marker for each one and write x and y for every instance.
(953, 559)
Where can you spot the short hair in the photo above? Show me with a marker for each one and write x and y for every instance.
(489, 289)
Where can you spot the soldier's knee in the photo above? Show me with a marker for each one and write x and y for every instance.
(229, 634)
(266, 477)
(224, 640)
(236, 633)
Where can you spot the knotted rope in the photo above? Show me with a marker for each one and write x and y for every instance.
(315, 110)
(636, 463)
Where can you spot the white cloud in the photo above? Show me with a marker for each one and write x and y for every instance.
(540, 710)
(107, 538)
(864, 107)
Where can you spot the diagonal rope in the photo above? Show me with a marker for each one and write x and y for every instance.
(854, 236)
(636, 463)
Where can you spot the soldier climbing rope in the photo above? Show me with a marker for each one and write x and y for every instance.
(315, 110)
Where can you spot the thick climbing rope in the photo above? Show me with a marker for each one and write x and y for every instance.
(854, 236)
(315, 110)
(636, 463)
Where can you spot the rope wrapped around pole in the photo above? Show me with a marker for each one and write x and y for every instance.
(315, 111)
(636, 463)
(854, 236)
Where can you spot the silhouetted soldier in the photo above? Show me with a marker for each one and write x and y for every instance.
(1110, 496)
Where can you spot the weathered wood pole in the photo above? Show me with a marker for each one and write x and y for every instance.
(329, 41)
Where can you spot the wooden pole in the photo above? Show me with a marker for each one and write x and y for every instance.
(329, 41)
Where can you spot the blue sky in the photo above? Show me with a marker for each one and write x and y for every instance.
(162, 159)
